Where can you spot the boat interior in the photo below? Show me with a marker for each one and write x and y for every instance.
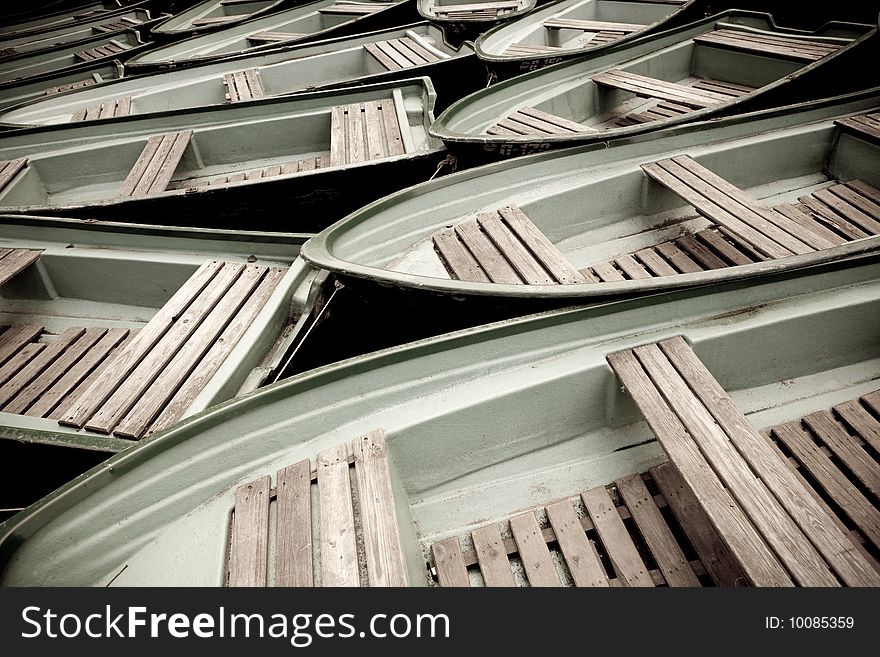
(214, 14)
(403, 49)
(759, 201)
(575, 26)
(385, 122)
(465, 484)
(710, 70)
(470, 10)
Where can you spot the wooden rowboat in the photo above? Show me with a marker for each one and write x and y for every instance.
(461, 479)
(731, 62)
(14, 92)
(72, 58)
(151, 323)
(213, 15)
(467, 19)
(133, 19)
(374, 57)
(738, 198)
(65, 17)
(308, 22)
(287, 163)
(564, 29)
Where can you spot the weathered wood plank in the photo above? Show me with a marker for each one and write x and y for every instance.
(533, 551)
(653, 88)
(52, 397)
(800, 506)
(135, 385)
(722, 247)
(20, 360)
(714, 555)
(456, 258)
(559, 23)
(525, 264)
(219, 352)
(16, 261)
(755, 557)
(667, 553)
(678, 258)
(339, 563)
(579, 552)
(851, 212)
(384, 552)
(631, 267)
(630, 569)
(859, 462)
(651, 259)
(9, 169)
(541, 248)
(810, 225)
(293, 539)
(486, 254)
(123, 364)
(448, 560)
(839, 488)
(188, 354)
(249, 556)
(832, 219)
(701, 254)
(69, 355)
(607, 272)
(861, 421)
(492, 555)
(35, 367)
(798, 49)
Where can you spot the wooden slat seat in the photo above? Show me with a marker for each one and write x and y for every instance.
(294, 166)
(176, 353)
(268, 36)
(354, 8)
(789, 47)
(339, 562)
(405, 52)
(867, 125)
(122, 24)
(9, 169)
(714, 248)
(519, 49)
(15, 261)
(532, 121)
(243, 85)
(771, 233)
(778, 531)
(106, 110)
(608, 536)
(559, 23)
(70, 85)
(648, 87)
(364, 131)
(9, 51)
(109, 49)
(214, 20)
(503, 247)
(155, 166)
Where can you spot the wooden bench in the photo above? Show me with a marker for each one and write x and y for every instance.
(294, 166)
(532, 121)
(777, 530)
(771, 233)
(156, 164)
(73, 85)
(9, 169)
(243, 85)
(558, 23)
(364, 131)
(340, 564)
(597, 541)
(405, 52)
(14, 261)
(525, 49)
(715, 248)
(503, 247)
(476, 10)
(867, 125)
(216, 20)
(647, 87)
(122, 24)
(789, 47)
(355, 8)
(152, 381)
(106, 110)
(661, 110)
(262, 38)
(109, 49)
(40, 377)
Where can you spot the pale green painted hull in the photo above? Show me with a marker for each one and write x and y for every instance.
(294, 69)
(64, 17)
(16, 92)
(182, 22)
(594, 203)
(479, 425)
